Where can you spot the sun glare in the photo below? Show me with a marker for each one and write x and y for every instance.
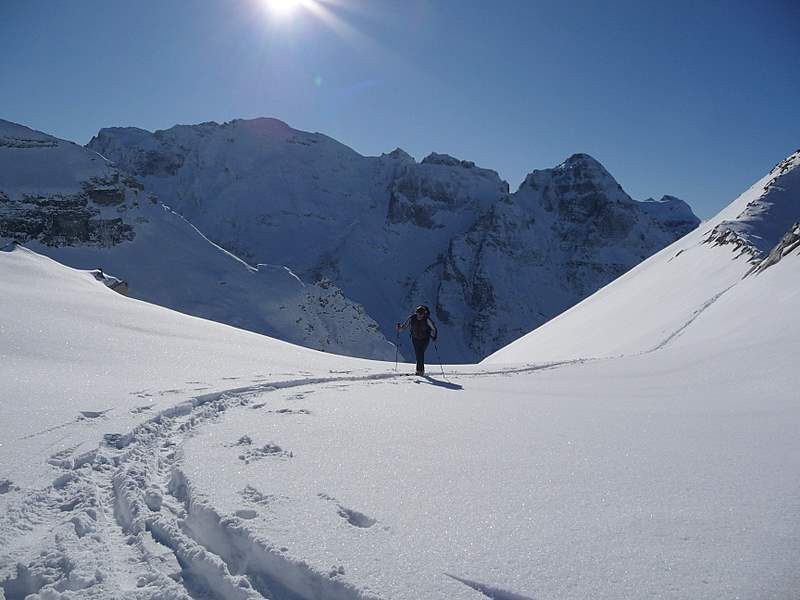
(283, 8)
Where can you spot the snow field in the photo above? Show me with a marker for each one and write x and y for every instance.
(586, 480)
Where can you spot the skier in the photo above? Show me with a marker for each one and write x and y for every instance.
(422, 331)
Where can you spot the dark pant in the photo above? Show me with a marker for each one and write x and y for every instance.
(419, 350)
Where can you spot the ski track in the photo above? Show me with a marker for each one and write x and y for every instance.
(123, 521)
(705, 306)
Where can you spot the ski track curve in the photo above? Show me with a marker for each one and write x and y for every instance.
(123, 521)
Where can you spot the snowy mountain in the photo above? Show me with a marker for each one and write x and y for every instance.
(149, 455)
(566, 232)
(69, 203)
(392, 232)
(716, 260)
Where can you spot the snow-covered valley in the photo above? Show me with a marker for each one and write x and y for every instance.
(644, 444)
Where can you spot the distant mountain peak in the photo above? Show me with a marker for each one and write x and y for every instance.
(262, 124)
(579, 176)
(434, 158)
(584, 166)
(582, 159)
(399, 154)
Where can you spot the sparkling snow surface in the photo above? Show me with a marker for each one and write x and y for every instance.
(128, 471)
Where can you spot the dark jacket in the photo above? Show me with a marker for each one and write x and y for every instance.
(421, 329)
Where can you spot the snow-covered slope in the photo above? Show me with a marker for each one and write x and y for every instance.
(658, 301)
(393, 233)
(149, 455)
(71, 204)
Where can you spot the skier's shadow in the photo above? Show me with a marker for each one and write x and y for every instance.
(439, 383)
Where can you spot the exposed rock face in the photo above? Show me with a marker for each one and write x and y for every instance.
(59, 208)
(788, 244)
(440, 185)
(754, 231)
(111, 282)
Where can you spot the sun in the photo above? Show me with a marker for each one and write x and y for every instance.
(283, 8)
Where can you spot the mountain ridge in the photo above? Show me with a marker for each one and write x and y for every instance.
(383, 227)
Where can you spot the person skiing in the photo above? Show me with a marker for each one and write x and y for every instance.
(422, 332)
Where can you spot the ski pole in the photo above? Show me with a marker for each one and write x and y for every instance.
(439, 358)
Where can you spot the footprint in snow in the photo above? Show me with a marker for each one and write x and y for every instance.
(355, 518)
(93, 414)
(291, 411)
(264, 451)
(114, 439)
(245, 440)
(251, 494)
(335, 571)
(6, 486)
(246, 513)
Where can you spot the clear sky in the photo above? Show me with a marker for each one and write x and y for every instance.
(695, 99)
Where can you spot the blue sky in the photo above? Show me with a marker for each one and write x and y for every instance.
(694, 99)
